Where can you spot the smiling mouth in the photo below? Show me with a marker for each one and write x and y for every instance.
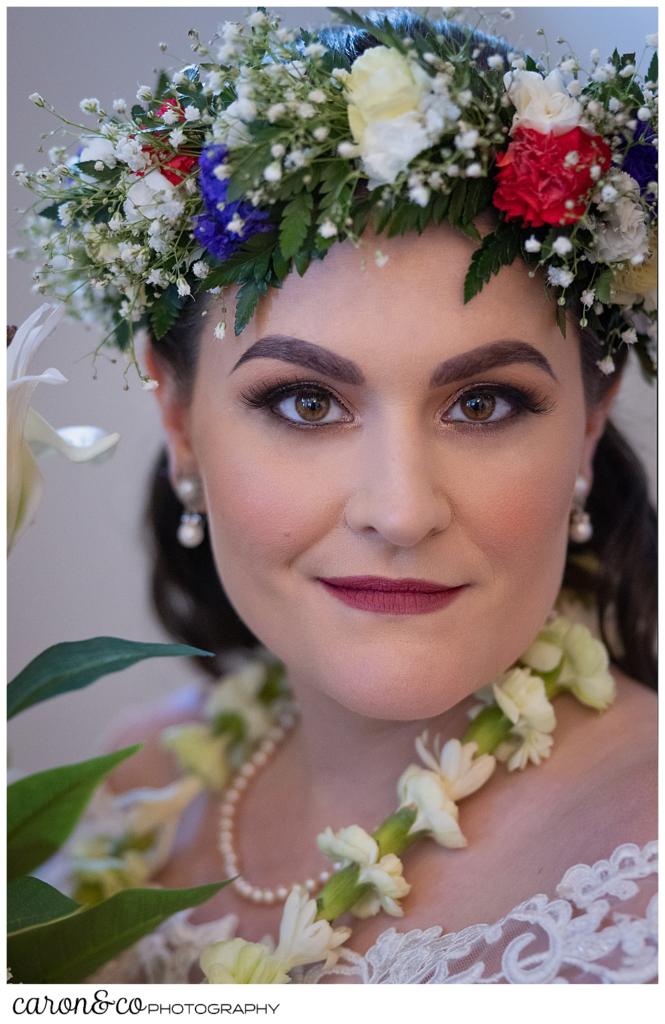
(391, 596)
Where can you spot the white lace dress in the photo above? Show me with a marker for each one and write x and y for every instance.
(599, 926)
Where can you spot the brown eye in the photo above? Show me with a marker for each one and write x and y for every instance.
(479, 405)
(311, 405)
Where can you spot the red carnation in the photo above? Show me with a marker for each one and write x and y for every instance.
(534, 181)
(174, 168)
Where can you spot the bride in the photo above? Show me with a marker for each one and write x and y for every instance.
(392, 486)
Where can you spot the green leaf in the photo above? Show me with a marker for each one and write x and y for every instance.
(456, 205)
(296, 218)
(602, 286)
(164, 312)
(496, 250)
(247, 300)
(280, 266)
(75, 664)
(302, 261)
(72, 948)
(240, 267)
(652, 72)
(404, 219)
(31, 901)
(50, 212)
(561, 319)
(42, 809)
(478, 196)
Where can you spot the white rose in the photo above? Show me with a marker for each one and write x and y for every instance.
(622, 233)
(150, 197)
(542, 104)
(98, 149)
(385, 92)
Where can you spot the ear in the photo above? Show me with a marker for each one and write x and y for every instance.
(596, 420)
(174, 410)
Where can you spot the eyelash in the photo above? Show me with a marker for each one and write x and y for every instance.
(268, 396)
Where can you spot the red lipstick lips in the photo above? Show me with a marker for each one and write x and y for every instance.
(390, 596)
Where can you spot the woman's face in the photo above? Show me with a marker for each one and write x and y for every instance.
(416, 437)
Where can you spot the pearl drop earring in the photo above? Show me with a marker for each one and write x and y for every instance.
(191, 529)
(581, 529)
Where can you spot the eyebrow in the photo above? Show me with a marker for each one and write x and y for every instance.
(321, 360)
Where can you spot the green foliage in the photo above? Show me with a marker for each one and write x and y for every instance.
(383, 31)
(50, 212)
(75, 664)
(42, 809)
(164, 312)
(652, 73)
(495, 251)
(248, 165)
(240, 266)
(296, 218)
(247, 301)
(31, 901)
(71, 948)
(602, 285)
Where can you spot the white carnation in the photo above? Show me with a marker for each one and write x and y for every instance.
(622, 233)
(542, 104)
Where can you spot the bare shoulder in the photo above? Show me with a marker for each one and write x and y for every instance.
(152, 765)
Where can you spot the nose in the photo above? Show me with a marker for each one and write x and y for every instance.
(397, 489)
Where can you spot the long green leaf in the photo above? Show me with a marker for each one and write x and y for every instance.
(42, 809)
(70, 949)
(75, 664)
(497, 249)
(30, 901)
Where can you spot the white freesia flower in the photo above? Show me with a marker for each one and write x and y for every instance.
(585, 669)
(525, 744)
(388, 886)
(200, 752)
(542, 104)
(353, 845)
(238, 693)
(28, 433)
(462, 773)
(238, 962)
(302, 940)
(437, 813)
(522, 698)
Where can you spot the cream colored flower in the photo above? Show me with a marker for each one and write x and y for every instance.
(238, 693)
(522, 698)
(388, 886)
(461, 772)
(303, 939)
(437, 813)
(237, 962)
(622, 233)
(585, 669)
(638, 283)
(525, 744)
(200, 752)
(28, 433)
(542, 104)
(351, 844)
(385, 92)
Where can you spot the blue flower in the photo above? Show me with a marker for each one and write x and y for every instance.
(211, 228)
(641, 159)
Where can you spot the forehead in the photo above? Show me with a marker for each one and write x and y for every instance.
(408, 313)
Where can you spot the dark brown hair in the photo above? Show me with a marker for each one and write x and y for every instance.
(617, 568)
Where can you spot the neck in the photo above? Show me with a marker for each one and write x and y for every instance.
(345, 766)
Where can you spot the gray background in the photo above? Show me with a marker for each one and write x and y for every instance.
(81, 570)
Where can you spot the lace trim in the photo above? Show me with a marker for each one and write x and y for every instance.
(545, 941)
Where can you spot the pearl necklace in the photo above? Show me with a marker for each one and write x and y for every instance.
(265, 750)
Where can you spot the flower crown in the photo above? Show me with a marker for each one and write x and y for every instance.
(256, 160)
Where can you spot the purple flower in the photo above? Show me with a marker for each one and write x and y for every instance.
(641, 159)
(211, 228)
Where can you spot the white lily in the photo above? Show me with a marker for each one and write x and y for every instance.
(437, 813)
(462, 773)
(28, 433)
(238, 693)
(522, 697)
(200, 752)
